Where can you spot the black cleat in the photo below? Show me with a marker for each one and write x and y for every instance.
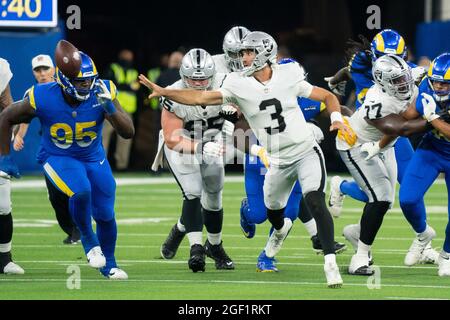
(363, 271)
(170, 246)
(317, 246)
(220, 257)
(197, 260)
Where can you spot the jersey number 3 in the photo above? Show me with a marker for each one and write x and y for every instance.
(63, 137)
(275, 115)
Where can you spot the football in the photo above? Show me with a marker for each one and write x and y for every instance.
(67, 59)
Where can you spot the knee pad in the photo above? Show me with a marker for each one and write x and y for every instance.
(5, 196)
(211, 201)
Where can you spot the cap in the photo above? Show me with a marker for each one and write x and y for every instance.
(42, 60)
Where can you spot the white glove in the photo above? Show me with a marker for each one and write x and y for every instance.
(370, 150)
(210, 149)
(418, 73)
(429, 107)
(317, 132)
(228, 128)
(336, 88)
(102, 91)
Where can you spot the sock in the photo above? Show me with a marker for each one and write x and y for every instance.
(191, 216)
(276, 218)
(6, 232)
(363, 249)
(195, 238)
(330, 258)
(311, 227)
(81, 211)
(215, 238)
(371, 220)
(213, 220)
(315, 200)
(353, 190)
(107, 236)
(447, 238)
(180, 226)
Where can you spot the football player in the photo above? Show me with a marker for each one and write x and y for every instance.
(229, 60)
(8, 169)
(187, 133)
(72, 111)
(280, 127)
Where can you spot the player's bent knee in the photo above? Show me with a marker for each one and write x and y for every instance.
(211, 201)
(5, 197)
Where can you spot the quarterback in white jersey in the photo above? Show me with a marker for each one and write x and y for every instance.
(7, 169)
(268, 99)
(191, 140)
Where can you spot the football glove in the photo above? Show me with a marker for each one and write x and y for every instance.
(429, 107)
(317, 132)
(229, 113)
(104, 97)
(370, 150)
(418, 73)
(228, 128)
(8, 168)
(261, 153)
(209, 148)
(349, 139)
(338, 88)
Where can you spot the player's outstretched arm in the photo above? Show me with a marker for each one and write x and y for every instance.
(18, 112)
(397, 125)
(183, 96)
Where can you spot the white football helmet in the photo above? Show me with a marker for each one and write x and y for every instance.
(264, 47)
(197, 64)
(231, 46)
(394, 76)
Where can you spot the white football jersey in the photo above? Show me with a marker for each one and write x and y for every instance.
(5, 74)
(199, 121)
(220, 63)
(272, 111)
(377, 104)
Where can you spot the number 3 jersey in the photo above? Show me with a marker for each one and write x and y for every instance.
(272, 111)
(377, 105)
(67, 130)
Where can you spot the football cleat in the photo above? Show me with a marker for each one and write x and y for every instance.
(418, 247)
(220, 257)
(96, 258)
(429, 255)
(359, 265)
(266, 264)
(333, 275)
(72, 240)
(336, 200)
(117, 274)
(196, 261)
(7, 266)
(317, 246)
(277, 237)
(170, 246)
(444, 264)
(248, 229)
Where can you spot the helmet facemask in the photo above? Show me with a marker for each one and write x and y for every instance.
(440, 95)
(197, 70)
(402, 86)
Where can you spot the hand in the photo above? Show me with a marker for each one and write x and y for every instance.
(104, 97)
(261, 153)
(338, 88)
(156, 91)
(370, 150)
(18, 143)
(429, 107)
(210, 149)
(229, 113)
(8, 168)
(228, 128)
(317, 132)
(345, 132)
(418, 73)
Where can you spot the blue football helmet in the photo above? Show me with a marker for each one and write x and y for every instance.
(87, 71)
(388, 41)
(439, 71)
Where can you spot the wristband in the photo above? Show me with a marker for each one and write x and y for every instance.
(336, 116)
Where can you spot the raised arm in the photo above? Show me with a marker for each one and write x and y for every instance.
(183, 96)
(121, 121)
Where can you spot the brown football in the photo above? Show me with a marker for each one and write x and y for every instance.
(67, 58)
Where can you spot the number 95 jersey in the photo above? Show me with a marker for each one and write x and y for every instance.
(66, 130)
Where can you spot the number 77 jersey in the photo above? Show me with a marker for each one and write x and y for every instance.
(272, 111)
(67, 130)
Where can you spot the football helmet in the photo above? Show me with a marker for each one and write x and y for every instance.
(394, 76)
(87, 71)
(231, 46)
(388, 41)
(265, 49)
(197, 65)
(439, 71)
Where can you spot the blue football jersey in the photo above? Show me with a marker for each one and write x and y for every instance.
(66, 130)
(310, 108)
(436, 139)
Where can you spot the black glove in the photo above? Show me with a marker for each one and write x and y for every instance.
(229, 113)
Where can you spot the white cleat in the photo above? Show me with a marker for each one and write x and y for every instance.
(13, 268)
(117, 274)
(333, 276)
(277, 237)
(444, 264)
(351, 234)
(359, 265)
(336, 200)
(418, 246)
(96, 258)
(429, 255)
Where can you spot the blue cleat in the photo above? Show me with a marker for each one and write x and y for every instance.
(266, 264)
(248, 229)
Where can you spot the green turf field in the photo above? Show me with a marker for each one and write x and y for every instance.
(145, 214)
